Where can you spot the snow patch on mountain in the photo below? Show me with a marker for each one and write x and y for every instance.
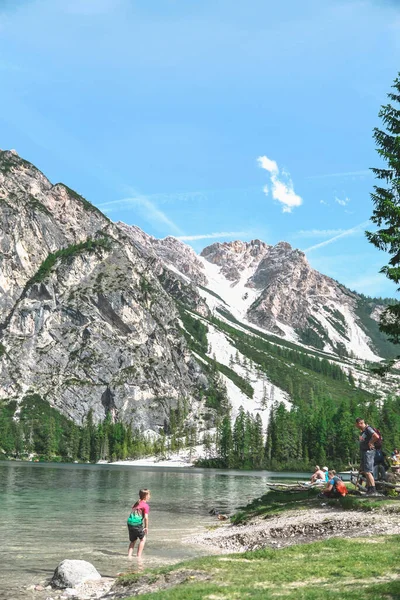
(235, 294)
(222, 349)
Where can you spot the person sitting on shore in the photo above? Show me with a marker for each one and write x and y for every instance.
(326, 474)
(335, 487)
(318, 476)
(395, 458)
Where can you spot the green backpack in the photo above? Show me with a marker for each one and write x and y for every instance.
(135, 518)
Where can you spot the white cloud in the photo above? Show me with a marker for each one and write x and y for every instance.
(342, 202)
(284, 192)
(346, 232)
(268, 164)
(209, 236)
(282, 186)
(323, 202)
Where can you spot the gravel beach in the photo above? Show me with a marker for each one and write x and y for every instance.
(299, 527)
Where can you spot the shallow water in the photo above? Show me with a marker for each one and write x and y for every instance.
(49, 512)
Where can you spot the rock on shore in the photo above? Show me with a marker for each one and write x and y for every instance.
(70, 573)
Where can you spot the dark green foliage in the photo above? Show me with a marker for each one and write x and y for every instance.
(314, 432)
(297, 373)
(323, 431)
(271, 338)
(43, 431)
(195, 333)
(2, 350)
(310, 337)
(6, 165)
(240, 448)
(386, 200)
(196, 329)
(364, 308)
(65, 253)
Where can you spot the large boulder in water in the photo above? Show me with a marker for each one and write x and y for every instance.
(70, 573)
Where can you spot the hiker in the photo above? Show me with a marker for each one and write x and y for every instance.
(367, 439)
(335, 487)
(138, 517)
(318, 476)
(326, 474)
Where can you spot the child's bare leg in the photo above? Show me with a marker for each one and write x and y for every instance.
(141, 546)
(130, 549)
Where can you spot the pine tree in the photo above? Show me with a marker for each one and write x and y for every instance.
(239, 434)
(225, 442)
(386, 199)
(264, 399)
(50, 441)
(257, 444)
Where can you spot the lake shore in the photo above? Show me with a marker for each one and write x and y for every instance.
(371, 532)
(313, 520)
(298, 527)
(182, 458)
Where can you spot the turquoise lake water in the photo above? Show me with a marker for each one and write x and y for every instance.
(49, 512)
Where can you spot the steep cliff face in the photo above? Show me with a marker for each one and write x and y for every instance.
(36, 218)
(86, 320)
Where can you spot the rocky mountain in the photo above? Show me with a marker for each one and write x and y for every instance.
(85, 320)
(100, 316)
(275, 288)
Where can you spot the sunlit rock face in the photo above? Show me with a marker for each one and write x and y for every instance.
(98, 330)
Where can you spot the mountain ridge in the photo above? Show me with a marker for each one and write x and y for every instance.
(95, 315)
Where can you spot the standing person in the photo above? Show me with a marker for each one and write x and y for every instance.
(367, 438)
(139, 517)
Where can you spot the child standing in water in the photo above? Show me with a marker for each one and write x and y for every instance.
(139, 517)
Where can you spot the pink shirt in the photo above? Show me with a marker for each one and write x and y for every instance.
(143, 506)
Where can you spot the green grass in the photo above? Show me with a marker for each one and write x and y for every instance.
(274, 502)
(340, 569)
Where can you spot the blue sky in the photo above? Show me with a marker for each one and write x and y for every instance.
(210, 120)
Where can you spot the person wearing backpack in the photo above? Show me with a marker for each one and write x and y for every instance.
(335, 488)
(368, 438)
(139, 517)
